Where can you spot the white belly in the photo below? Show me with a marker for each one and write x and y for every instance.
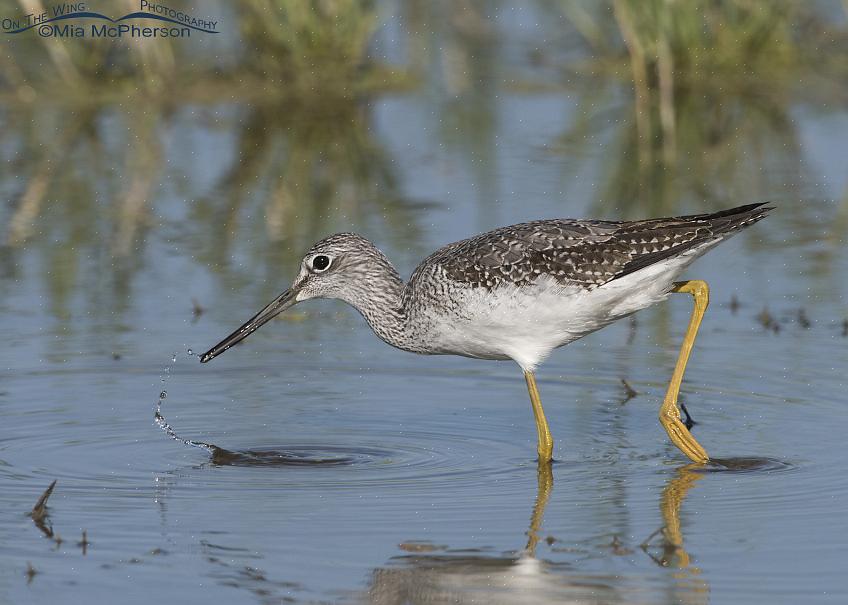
(527, 323)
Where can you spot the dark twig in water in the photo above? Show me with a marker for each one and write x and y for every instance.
(196, 310)
(734, 304)
(768, 321)
(688, 419)
(629, 391)
(31, 572)
(803, 319)
(617, 547)
(845, 327)
(39, 512)
(84, 542)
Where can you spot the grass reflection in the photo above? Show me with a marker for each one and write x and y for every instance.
(713, 86)
(700, 96)
(310, 45)
(299, 172)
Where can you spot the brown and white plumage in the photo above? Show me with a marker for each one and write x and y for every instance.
(583, 252)
(517, 292)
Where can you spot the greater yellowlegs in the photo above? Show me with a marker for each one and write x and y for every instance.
(519, 292)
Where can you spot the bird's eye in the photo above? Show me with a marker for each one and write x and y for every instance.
(320, 263)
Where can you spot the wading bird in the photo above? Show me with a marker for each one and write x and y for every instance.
(520, 292)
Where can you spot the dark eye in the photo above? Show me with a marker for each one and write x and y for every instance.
(320, 262)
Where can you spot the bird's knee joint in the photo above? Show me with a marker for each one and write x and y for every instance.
(698, 288)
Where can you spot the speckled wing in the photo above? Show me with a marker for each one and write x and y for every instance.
(584, 253)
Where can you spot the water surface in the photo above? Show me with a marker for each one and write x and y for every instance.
(351, 472)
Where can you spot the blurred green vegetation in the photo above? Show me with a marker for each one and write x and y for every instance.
(313, 48)
(713, 84)
(681, 103)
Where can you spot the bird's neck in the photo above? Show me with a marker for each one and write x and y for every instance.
(378, 296)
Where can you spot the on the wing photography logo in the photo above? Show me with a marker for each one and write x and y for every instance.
(76, 20)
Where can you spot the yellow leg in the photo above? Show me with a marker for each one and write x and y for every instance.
(546, 442)
(669, 413)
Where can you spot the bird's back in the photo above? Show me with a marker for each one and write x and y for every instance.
(588, 253)
(533, 281)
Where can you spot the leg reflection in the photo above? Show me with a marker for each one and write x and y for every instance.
(672, 553)
(546, 483)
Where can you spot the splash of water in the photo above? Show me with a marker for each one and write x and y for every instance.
(247, 457)
(163, 424)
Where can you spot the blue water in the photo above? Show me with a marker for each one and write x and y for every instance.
(422, 485)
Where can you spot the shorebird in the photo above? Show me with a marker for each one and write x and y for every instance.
(519, 292)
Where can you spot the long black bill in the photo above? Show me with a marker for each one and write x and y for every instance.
(277, 306)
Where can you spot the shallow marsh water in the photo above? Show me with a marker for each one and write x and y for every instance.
(357, 473)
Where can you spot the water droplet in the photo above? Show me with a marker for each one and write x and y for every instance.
(163, 394)
(190, 352)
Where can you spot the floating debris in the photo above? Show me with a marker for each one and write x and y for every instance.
(40, 516)
(768, 321)
(116, 356)
(39, 513)
(629, 391)
(845, 327)
(31, 572)
(734, 304)
(803, 319)
(84, 542)
(196, 310)
(617, 547)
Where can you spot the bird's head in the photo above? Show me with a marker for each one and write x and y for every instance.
(339, 266)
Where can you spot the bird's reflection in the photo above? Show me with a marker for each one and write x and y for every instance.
(527, 578)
